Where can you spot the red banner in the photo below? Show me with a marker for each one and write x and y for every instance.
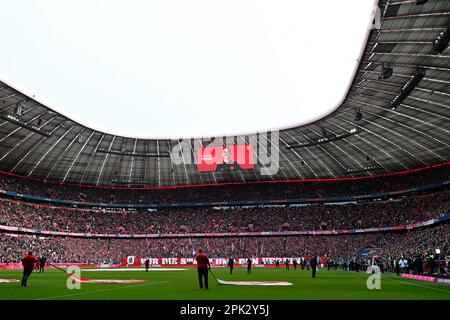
(132, 261)
(215, 262)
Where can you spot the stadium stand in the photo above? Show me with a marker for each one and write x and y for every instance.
(188, 220)
(407, 209)
(271, 191)
(64, 249)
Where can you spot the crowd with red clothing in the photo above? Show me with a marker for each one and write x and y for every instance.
(93, 251)
(191, 220)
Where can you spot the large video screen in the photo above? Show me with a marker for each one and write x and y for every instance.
(227, 158)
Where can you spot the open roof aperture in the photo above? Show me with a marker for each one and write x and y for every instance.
(185, 68)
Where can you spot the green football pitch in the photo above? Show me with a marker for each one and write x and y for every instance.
(172, 285)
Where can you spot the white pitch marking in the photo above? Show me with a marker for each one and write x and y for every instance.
(418, 285)
(103, 290)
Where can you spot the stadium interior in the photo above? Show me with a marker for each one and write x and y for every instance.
(366, 185)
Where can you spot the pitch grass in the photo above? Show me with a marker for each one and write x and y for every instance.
(173, 285)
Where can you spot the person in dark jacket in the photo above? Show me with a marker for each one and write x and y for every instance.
(313, 263)
(42, 262)
(147, 265)
(231, 264)
(228, 164)
(397, 267)
(419, 265)
(249, 266)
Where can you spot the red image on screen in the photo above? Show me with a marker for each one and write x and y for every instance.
(228, 158)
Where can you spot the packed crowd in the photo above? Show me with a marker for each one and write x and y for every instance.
(207, 220)
(395, 245)
(88, 250)
(266, 191)
(425, 262)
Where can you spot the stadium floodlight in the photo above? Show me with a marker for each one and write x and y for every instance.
(358, 115)
(408, 88)
(323, 140)
(386, 72)
(364, 169)
(25, 125)
(18, 109)
(130, 181)
(442, 41)
(134, 154)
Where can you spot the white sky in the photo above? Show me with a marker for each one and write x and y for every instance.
(184, 68)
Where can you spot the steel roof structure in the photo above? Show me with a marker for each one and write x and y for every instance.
(405, 122)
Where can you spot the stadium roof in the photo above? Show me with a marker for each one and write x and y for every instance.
(404, 125)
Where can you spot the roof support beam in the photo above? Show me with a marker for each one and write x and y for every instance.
(313, 154)
(62, 153)
(78, 154)
(385, 129)
(48, 150)
(401, 114)
(104, 161)
(24, 140)
(88, 166)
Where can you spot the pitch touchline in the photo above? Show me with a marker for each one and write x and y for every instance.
(418, 285)
(103, 290)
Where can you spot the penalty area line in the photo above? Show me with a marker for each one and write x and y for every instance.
(102, 290)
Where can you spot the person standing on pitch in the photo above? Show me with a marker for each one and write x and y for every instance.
(277, 264)
(147, 265)
(328, 264)
(313, 264)
(231, 264)
(28, 263)
(42, 261)
(287, 264)
(397, 267)
(202, 268)
(249, 266)
(294, 263)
